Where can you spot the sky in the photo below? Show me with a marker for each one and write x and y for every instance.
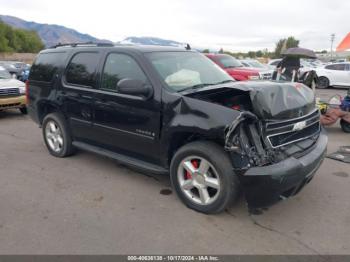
(234, 25)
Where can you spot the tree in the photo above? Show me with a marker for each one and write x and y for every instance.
(207, 51)
(259, 53)
(251, 54)
(284, 44)
(221, 51)
(19, 40)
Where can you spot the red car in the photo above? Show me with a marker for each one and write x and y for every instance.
(234, 67)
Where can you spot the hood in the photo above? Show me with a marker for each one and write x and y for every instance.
(271, 100)
(6, 83)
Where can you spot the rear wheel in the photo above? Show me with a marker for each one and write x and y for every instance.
(323, 82)
(345, 126)
(57, 136)
(203, 178)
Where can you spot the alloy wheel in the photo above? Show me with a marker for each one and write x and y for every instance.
(198, 180)
(54, 136)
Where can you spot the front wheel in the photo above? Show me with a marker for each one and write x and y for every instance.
(203, 178)
(345, 126)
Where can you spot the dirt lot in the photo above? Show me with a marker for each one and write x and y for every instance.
(89, 204)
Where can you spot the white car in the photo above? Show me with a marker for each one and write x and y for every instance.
(272, 64)
(264, 71)
(337, 74)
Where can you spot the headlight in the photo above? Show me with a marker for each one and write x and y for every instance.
(22, 90)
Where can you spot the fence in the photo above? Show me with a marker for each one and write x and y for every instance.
(23, 57)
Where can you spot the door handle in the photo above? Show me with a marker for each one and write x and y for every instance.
(85, 97)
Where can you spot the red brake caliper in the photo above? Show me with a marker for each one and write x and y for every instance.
(195, 165)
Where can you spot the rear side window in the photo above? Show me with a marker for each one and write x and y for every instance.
(117, 67)
(82, 69)
(46, 66)
(339, 67)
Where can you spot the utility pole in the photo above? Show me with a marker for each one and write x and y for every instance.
(332, 40)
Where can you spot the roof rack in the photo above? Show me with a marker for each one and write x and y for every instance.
(83, 44)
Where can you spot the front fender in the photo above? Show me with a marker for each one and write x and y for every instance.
(192, 116)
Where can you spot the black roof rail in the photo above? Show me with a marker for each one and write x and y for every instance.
(83, 44)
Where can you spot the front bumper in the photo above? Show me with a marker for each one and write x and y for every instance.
(12, 102)
(264, 186)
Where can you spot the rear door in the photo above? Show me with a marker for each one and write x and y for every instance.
(337, 74)
(125, 123)
(77, 93)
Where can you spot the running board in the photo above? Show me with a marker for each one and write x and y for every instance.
(130, 161)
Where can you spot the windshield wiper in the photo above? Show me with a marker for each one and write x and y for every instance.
(196, 86)
(224, 82)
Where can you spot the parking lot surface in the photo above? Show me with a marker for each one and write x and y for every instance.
(88, 204)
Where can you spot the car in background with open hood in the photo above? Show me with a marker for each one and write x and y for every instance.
(12, 92)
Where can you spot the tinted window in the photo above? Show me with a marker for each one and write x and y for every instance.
(117, 67)
(340, 67)
(46, 65)
(82, 69)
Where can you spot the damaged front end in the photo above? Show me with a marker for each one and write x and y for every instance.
(276, 143)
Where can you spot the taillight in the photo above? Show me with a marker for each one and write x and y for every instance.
(27, 91)
(236, 107)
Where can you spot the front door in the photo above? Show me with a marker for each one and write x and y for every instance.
(124, 123)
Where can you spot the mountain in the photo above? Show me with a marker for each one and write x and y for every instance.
(133, 40)
(51, 34)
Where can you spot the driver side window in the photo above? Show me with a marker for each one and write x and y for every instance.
(118, 67)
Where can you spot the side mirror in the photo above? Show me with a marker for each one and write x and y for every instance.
(134, 87)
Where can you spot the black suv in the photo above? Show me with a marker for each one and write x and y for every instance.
(168, 110)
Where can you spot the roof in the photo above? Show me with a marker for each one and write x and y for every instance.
(345, 44)
(140, 48)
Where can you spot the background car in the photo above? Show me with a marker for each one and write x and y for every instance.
(13, 67)
(272, 64)
(234, 67)
(264, 70)
(337, 74)
(12, 92)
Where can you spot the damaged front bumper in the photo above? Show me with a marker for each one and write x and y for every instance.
(266, 185)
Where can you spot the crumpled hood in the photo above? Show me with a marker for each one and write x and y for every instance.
(273, 100)
(6, 83)
(282, 100)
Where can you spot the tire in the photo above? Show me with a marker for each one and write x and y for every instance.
(57, 136)
(23, 110)
(219, 182)
(323, 82)
(345, 126)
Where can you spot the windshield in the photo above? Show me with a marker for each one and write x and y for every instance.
(255, 64)
(4, 74)
(229, 62)
(187, 70)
